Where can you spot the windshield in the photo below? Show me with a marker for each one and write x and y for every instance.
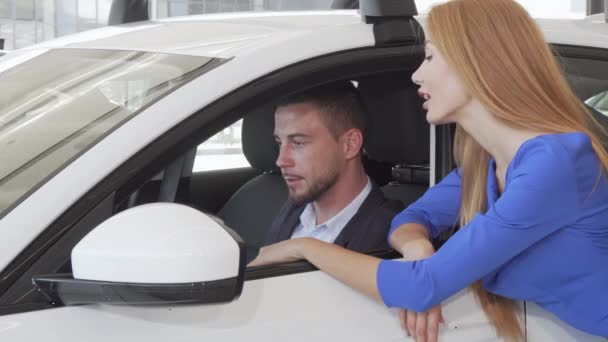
(57, 105)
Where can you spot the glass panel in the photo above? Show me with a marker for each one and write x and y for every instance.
(537, 8)
(599, 102)
(222, 151)
(171, 8)
(59, 104)
(87, 15)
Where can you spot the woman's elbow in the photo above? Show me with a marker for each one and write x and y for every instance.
(420, 302)
(424, 304)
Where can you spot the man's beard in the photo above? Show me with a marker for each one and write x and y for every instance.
(316, 190)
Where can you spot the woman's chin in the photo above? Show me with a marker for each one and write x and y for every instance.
(432, 119)
(437, 119)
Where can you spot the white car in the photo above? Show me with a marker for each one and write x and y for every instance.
(98, 137)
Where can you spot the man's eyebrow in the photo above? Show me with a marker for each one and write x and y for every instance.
(298, 135)
(292, 136)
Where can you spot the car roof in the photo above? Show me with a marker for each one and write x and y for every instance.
(233, 34)
(226, 35)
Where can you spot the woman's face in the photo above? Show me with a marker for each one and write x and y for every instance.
(444, 93)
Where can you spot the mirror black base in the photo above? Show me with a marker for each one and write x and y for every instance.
(63, 289)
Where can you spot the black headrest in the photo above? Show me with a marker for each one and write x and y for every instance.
(257, 135)
(398, 131)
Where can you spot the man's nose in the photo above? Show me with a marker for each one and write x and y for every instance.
(284, 159)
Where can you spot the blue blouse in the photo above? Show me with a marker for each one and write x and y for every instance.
(545, 239)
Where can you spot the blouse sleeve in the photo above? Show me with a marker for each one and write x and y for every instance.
(541, 197)
(437, 210)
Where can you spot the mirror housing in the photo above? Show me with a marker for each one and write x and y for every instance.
(160, 253)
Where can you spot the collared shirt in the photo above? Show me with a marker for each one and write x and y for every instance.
(329, 230)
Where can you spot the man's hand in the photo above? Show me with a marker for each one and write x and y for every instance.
(281, 252)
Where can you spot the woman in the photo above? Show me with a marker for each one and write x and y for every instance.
(530, 192)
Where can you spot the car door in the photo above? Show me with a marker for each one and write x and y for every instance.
(298, 307)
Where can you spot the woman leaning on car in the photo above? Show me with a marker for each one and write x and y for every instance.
(530, 192)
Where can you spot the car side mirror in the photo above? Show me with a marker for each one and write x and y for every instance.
(161, 253)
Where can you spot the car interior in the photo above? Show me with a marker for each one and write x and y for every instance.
(396, 157)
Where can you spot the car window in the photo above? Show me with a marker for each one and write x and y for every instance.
(586, 70)
(172, 8)
(588, 76)
(60, 103)
(222, 151)
(599, 102)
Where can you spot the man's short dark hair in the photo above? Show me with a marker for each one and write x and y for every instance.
(339, 103)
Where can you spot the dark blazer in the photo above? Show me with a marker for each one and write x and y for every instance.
(367, 230)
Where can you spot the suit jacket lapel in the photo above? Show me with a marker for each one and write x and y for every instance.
(374, 199)
(291, 222)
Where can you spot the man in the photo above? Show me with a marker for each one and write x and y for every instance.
(320, 136)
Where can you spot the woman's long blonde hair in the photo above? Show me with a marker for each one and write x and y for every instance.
(501, 56)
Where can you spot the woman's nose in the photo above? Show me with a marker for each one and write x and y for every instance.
(416, 77)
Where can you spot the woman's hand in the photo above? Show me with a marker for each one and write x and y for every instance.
(422, 326)
(412, 241)
(284, 251)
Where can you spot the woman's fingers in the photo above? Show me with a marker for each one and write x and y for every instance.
(434, 319)
(421, 325)
(403, 319)
(411, 323)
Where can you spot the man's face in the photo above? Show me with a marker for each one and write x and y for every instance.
(310, 158)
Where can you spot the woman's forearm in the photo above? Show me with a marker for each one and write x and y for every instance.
(357, 270)
(354, 269)
(412, 241)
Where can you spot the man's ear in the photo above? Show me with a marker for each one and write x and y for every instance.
(352, 142)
